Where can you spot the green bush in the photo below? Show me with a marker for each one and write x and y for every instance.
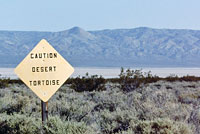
(161, 126)
(88, 83)
(4, 82)
(22, 124)
(18, 124)
(56, 126)
(132, 79)
(173, 78)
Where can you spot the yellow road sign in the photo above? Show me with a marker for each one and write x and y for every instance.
(44, 70)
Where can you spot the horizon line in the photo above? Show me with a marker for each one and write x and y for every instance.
(100, 29)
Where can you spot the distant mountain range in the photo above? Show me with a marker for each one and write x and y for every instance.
(138, 47)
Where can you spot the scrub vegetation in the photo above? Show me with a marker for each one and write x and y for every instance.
(134, 103)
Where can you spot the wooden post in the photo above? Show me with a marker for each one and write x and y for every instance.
(44, 106)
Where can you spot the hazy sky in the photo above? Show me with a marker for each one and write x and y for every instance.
(57, 15)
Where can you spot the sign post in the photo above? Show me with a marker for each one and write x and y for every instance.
(44, 107)
(44, 71)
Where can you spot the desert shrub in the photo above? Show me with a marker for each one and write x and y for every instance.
(15, 81)
(11, 108)
(69, 81)
(18, 124)
(76, 110)
(107, 112)
(22, 124)
(161, 126)
(190, 78)
(132, 79)
(56, 126)
(88, 83)
(109, 106)
(4, 82)
(188, 97)
(14, 104)
(172, 78)
(117, 121)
